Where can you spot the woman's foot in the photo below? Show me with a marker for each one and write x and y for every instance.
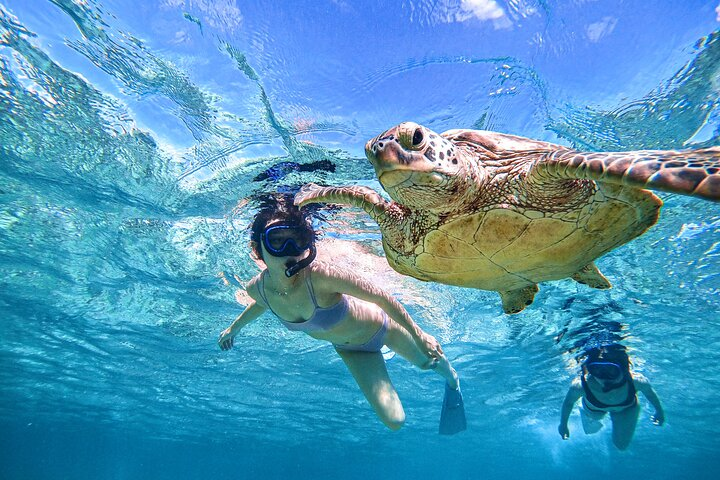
(445, 369)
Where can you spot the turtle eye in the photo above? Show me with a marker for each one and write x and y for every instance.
(418, 137)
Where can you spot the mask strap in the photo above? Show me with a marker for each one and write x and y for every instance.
(294, 269)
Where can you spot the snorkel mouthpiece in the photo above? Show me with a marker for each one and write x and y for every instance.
(297, 266)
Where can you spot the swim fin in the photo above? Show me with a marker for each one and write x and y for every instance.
(452, 416)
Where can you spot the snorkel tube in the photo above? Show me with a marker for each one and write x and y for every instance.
(297, 266)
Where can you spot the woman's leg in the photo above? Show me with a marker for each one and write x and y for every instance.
(399, 340)
(623, 425)
(370, 373)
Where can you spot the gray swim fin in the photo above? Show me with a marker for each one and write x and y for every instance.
(452, 416)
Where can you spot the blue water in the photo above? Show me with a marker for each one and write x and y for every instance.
(135, 137)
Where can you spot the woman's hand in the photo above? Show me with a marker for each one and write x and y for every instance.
(658, 418)
(226, 339)
(564, 431)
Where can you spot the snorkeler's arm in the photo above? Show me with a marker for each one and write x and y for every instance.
(572, 396)
(251, 312)
(349, 283)
(642, 384)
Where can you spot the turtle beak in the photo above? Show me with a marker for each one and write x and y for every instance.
(386, 153)
(371, 148)
(381, 152)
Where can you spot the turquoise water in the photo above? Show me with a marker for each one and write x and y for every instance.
(136, 137)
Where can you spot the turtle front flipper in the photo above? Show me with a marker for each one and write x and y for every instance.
(689, 172)
(363, 197)
(515, 301)
(590, 275)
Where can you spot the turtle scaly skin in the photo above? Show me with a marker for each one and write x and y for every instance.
(499, 212)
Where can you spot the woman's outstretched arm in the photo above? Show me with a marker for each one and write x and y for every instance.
(350, 283)
(642, 384)
(251, 312)
(573, 395)
(227, 336)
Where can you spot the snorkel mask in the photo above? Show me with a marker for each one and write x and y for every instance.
(604, 370)
(607, 372)
(290, 240)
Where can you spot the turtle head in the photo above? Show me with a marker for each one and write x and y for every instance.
(417, 167)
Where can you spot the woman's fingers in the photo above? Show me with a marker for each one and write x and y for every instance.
(225, 344)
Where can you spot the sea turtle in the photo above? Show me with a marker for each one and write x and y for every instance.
(499, 212)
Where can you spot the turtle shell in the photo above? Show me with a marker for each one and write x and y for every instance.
(505, 249)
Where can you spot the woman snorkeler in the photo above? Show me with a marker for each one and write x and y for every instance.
(606, 385)
(330, 303)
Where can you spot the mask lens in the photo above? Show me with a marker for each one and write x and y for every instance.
(604, 370)
(286, 240)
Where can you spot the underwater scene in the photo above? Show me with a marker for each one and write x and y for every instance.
(524, 192)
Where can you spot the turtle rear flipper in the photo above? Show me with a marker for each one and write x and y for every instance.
(590, 275)
(689, 172)
(515, 301)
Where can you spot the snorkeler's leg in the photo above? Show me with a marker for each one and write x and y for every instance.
(623, 426)
(399, 340)
(591, 421)
(370, 373)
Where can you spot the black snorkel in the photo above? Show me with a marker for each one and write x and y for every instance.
(297, 266)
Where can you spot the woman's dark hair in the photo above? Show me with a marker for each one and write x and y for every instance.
(615, 353)
(277, 207)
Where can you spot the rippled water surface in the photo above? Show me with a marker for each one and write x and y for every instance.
(135, 138)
